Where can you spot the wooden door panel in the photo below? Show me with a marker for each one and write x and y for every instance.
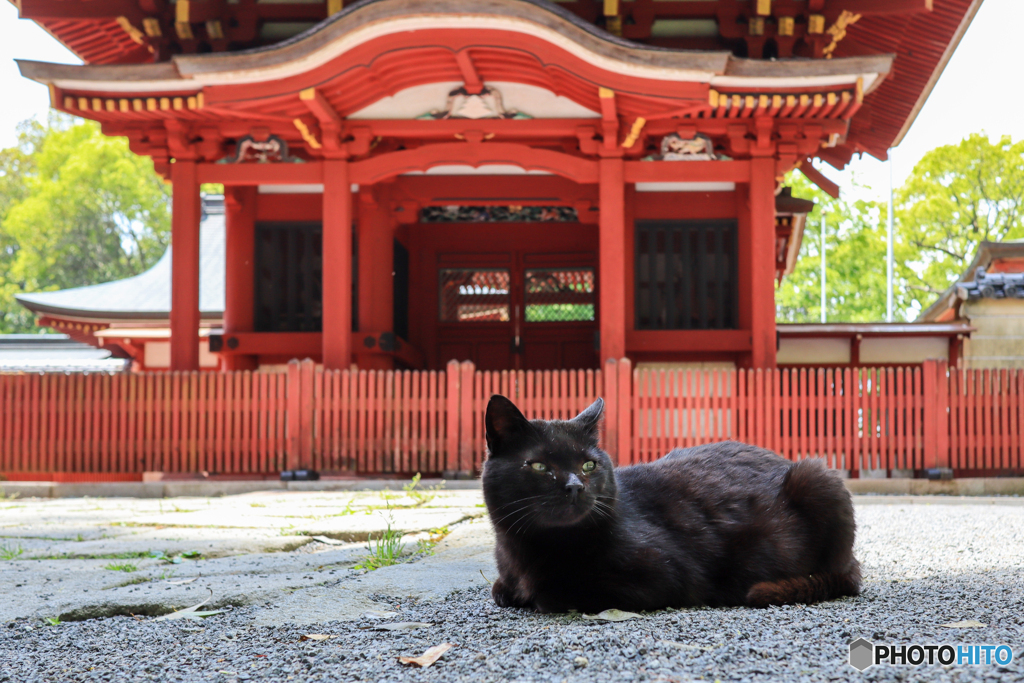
(471, 323)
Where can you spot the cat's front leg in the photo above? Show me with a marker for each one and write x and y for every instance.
(506, 596)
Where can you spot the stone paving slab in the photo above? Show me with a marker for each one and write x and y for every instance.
(66, 557)
(87, 558)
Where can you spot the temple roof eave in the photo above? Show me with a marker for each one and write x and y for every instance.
(366, 22)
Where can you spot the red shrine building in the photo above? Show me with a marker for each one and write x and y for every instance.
(518, 183)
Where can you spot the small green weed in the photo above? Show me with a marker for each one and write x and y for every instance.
(9, 551)
(344, 513)
(121, 567)
(52, 621)
(420, 495)
(8, 496)
(384, 551)
(178, 559)
(257, 505)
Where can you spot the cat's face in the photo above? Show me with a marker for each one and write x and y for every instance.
(545, 474)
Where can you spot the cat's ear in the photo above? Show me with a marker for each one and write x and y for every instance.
(505, 424)
(590, 418)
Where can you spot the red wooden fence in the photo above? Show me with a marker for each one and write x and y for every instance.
(369, 422)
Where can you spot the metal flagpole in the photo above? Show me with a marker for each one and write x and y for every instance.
(888, 250)
(824, 316)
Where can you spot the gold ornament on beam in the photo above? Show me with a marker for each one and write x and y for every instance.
(838, 31)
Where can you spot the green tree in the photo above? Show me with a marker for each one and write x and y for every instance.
(855, 262)
(956, 197)
(78, 208)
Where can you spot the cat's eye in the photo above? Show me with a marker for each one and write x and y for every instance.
(589, 466)
(539, 466)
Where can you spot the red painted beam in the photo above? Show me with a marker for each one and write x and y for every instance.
(44, 10)
(881, 6)
(308, 345)
(688, 340)
(309, 173)
(688, 171)
(503, 129)
(816, 177)
(378, 168)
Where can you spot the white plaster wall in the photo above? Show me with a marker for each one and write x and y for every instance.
(422, 99)
(819, 351)
(877, 350)
(157, 355)
(998, 339)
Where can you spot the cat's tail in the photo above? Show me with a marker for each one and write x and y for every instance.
(805, 589)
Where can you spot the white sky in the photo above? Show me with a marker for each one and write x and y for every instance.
(974, 94)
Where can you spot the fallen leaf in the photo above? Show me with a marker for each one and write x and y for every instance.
(183, 581)
(399, 626)
(683, 646)
(612, 615)
(970, 623)
(190, 612)
(429, 657)
(316, 636)
(379, 615)
(328, 540)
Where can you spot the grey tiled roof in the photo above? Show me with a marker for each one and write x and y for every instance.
(54, 353)
(146, 296)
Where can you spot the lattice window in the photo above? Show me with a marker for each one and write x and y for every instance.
(559, 295)
(498, 214)
(289, 265)
(686, 275)
(474, 295)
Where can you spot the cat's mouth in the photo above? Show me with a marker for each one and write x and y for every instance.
(574, 510)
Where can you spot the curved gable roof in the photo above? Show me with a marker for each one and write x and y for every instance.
(146, 296)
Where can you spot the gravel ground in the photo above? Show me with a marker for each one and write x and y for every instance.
(925, 565)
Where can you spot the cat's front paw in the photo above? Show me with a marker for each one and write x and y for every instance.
(504, 596)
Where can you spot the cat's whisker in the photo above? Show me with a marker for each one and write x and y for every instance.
(519, 500)
(529, 515)
(503, 518)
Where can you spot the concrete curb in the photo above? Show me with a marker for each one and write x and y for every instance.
(203, 489)
(981, 486)
(199, 488)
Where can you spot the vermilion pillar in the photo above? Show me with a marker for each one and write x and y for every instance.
(185, 215)
(239, 268)
(762, 262)
(337, 266)
(612, 260)
(376, 256)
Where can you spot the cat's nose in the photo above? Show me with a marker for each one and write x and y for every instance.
(574, 486)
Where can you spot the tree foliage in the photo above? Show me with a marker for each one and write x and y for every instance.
(76, 208)
(855, 251)
(956, 197)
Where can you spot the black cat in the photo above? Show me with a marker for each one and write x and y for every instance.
(721, 524)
